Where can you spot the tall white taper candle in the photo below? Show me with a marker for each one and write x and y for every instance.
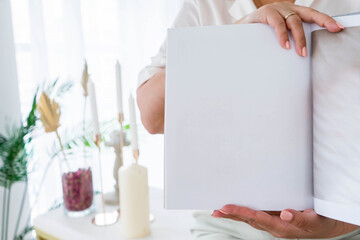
(118, 88)
(133, 127)
(94, 110)
(134, 201)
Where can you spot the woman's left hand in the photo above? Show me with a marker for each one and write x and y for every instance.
(287, 224)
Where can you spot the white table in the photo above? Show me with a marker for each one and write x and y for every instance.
(168, 224)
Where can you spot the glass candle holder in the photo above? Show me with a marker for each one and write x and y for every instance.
(77, 184)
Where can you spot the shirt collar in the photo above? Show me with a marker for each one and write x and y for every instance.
(241, 8)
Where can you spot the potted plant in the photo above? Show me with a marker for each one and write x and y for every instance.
(15, 155)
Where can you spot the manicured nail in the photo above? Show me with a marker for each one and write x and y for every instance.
(287, 45)
(286, 216)
(223, 212)
(340, 26)
(304, 52)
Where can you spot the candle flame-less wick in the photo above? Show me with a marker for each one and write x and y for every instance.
(121, 118)
(136, 154)
(98, 140)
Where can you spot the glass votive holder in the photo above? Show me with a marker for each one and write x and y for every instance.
(77, 184)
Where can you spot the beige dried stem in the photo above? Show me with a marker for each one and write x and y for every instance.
(85, 79)
(49, 116)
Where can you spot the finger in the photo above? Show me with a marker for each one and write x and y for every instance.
(271, 224)
(321, 19)
(277, 227)
(295, 24)
(222, 214)
(219, 214)
(262, 219)
(239, 211)
(274, 213)
(275, 20)
(308, 210)
(303, 220)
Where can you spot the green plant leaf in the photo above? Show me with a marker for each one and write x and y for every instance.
(2, 139)
(32, 118)
(64, 88)
(24, 232)
(57, 89)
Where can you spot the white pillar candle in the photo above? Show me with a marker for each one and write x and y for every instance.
(118, 87)
(134, 201)
(93, 105)
(133, 127)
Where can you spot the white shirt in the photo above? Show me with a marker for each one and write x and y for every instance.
(221, 12)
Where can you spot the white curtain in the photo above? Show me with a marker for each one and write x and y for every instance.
(54, 37)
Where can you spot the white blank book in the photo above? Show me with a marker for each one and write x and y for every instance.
(238, 116)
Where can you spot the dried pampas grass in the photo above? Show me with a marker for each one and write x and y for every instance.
(49, 113)
(84, 84)
(85, 79)
(50, 117)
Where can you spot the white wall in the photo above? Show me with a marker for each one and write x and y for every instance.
(9, 106)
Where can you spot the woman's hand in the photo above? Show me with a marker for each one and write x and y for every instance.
(274, 15)
(287, 224)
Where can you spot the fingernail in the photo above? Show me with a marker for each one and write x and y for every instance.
(223, 212)
(340, 26)
(286, 216)
(304, 52)
(287, 45)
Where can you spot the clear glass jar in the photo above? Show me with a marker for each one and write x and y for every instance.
(77, 183)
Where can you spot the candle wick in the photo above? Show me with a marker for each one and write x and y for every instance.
(136, 155)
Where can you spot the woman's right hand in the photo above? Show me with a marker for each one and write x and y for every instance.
(274, 15)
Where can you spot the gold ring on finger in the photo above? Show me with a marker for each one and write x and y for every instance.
(289, 15)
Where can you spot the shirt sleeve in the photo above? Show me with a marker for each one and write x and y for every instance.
(188, 16)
